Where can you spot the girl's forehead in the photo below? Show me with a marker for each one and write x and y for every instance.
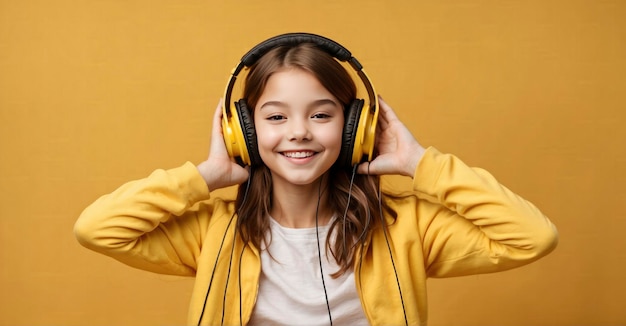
(294, 85)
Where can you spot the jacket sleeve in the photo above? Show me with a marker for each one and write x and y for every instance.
(472, 224)
(156, 224)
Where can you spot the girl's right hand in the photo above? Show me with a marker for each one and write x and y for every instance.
(220, 170)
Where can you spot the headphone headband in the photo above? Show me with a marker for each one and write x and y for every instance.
(329, 46)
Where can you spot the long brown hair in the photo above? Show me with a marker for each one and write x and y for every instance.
(361, 197)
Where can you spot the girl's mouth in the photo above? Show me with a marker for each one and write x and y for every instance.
(295, 154)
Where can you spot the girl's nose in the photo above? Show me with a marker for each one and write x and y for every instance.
(299, 131)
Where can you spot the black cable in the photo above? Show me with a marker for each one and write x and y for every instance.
(239, 276)
(230, 264)
(345, 213)
(206, 297)
(363, 242)
(219, 252)
(368, 214)
(319, 250)
(380, 207)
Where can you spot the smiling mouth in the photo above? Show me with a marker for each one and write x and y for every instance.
(298, 154)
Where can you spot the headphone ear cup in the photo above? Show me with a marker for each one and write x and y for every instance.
(249, 132)
(351, 125)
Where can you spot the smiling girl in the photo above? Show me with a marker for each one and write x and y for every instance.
(307, 241)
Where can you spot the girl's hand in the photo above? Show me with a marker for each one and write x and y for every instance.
(398, 151)
(219, 170)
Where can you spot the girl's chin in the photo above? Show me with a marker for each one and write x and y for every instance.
(297, 179)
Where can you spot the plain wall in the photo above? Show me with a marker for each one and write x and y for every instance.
(97, 93)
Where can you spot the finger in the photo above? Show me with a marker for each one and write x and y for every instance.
(382, 115)
(387, 111)
(364, 168)
(217, 137)
(217, 117)
(382, 122)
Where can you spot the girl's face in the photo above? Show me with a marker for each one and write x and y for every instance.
(299, 125)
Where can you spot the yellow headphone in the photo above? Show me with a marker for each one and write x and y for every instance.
(359, 130)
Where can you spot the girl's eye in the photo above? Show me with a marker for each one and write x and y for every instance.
(275, 117)
(321, 116)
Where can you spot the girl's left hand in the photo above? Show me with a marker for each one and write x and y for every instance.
(398, 151)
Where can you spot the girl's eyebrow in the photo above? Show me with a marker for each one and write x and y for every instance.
(313, 104)
(322, 102)
(273, 103)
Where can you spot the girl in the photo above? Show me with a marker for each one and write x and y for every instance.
(307, 241)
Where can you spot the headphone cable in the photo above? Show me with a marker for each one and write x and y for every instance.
(240, 263)
(232, 250)
(393, 264)
(230, 264)
(219, 252)
(345, 213)
(319, 250)
(206, 297)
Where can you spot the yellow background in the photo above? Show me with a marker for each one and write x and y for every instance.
(96, 93)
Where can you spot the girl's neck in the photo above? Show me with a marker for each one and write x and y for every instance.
(296, 206)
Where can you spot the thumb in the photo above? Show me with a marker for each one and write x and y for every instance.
(217, 144)
(365, 168)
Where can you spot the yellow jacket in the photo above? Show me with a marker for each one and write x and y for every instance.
(457, 221)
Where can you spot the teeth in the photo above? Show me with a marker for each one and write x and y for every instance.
(298, 154)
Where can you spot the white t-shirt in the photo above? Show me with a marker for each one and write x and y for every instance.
(290, 288)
